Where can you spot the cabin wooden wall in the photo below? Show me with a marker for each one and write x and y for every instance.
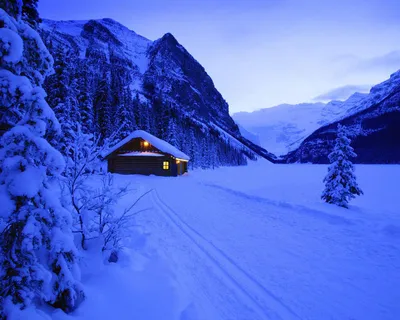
(142, 165)
(181, 167)
(185, 166)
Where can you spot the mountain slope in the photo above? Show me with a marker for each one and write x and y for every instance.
(156, 86)
(374, 124)
(249, 135)
(283, 128)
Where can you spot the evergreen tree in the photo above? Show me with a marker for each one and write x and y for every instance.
(63, 93)
(191, 142)
(340, 183)
(85, 99)
(12, 7)
(27, 9)
(30, 13)
(144, 118)
(172, 133)
(125, 115)
(37, 251)
(103, 106)
(161, 115)
(213, 156)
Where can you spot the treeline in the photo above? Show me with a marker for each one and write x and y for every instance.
(95, 92)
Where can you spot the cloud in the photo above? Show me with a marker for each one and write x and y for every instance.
(350, 63)
(351, 68)
(342, 93)
(389, 61)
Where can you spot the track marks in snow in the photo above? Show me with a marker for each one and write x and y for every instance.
(263, 301)
(330, 218)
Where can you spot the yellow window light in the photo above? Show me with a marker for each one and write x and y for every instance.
(146, 144)
(177, 161)
(165, 165)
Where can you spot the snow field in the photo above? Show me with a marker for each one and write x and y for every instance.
(252, 242)
(269, 248)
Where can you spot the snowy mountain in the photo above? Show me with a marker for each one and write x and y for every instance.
(374, 122)
(133, 82)
(282, 128)
(249, 135)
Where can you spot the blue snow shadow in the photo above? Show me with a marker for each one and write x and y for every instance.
(329, 218)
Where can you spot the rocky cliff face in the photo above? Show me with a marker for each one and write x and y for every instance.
(374, 123)
(177, 77)
(173, 96)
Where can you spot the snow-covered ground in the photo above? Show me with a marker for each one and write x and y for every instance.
(254, 242)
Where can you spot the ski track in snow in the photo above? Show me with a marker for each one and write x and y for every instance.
(244, 244)
(263, 301)
(285, 205)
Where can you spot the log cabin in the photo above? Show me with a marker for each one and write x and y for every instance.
(143, 153)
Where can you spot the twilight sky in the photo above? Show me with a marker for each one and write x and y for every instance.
(266, 52)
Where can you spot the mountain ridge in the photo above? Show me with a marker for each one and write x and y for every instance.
(284, 128)
(177, 99)
(374, 128)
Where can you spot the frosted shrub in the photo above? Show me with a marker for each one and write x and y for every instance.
(92, 203)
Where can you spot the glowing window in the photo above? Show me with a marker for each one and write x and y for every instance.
(145, 143)
(165, 165)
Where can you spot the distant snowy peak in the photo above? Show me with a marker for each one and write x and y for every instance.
(280, 113)
(102, 35)
(373, 121)
(377, 94)
(70, 27)
(103, 28)
(342, 93)
(336, 109)
(283, 128)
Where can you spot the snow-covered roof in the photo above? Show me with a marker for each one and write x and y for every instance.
(140, 154)
(161, 145)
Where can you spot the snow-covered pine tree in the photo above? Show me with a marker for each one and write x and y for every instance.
(191, 147)
(63, 93)
(30, 13)
(37, 251)
(340, 183)
(145, 118)
(27, 9)
(125, 117)
(172, 133)
(103, 105)
(85, 99)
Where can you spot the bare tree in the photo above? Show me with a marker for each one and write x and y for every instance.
(93, 204)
